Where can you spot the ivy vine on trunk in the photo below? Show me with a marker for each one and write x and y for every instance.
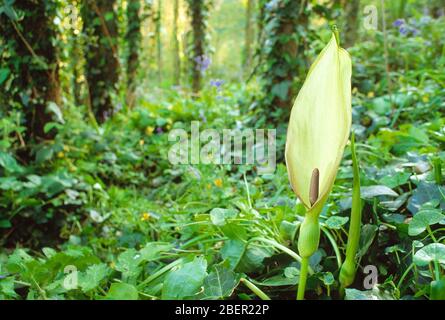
(282, 52)
(29, 54)
(199, 61)
(134, 43)
(102, 65)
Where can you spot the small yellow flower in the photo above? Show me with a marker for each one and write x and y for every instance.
(426, 98)
(371, 94)
(209, 186)
(149, 131)
(141, 142)
(145, 216)
(60, 155)
(218, 182)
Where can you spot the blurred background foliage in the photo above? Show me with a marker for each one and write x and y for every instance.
(90, 89)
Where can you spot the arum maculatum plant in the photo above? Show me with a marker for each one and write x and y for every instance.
(318, 131)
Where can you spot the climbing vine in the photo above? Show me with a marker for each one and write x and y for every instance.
(197, 48)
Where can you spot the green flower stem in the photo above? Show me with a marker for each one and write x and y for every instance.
(334, 245)
(349, 268)
(303, 278)
(255, 289)
(308, 241)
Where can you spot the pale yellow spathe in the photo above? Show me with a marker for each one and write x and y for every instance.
(319, 124)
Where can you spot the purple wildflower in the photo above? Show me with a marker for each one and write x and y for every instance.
(217, 83)
(159, 130)
(398, 22)
(415, 31)
(202, 63)
(403, 30)
(425, 20)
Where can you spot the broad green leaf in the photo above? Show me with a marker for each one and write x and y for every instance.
(336, 222)
(429, 253)
(186, 281)
(220, 283)
(233, 251)
(122, 291)
(376, 191)
(423, 219)
(396, 179)
(253, 259)
(320, 123)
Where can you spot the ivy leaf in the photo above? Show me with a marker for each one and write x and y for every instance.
(327, 278)
(128, 263)
(55, 110)
(93, 276)
(375, 294)
(336, 222)
(281, 90)
(396, 179)
(122, 291)
(9, 10)
(4, 73)
(423, 219)
(186, 281)
(9, 163)
(429, 253)
(218, 216)
(153, 250)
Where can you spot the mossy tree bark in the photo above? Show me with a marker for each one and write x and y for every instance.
(351, 22)
(249, 36)
(158, 24)
(33, 77)
(134, 43)
(102, 64)
(197, 10)
(175, 40)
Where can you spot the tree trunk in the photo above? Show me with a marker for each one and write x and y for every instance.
(249, 35)
(102, 64)
(176, 56)
(351, 25)
(158, 25)
(134, 43)
(33, 63)
(282, 54)
(198, 60)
